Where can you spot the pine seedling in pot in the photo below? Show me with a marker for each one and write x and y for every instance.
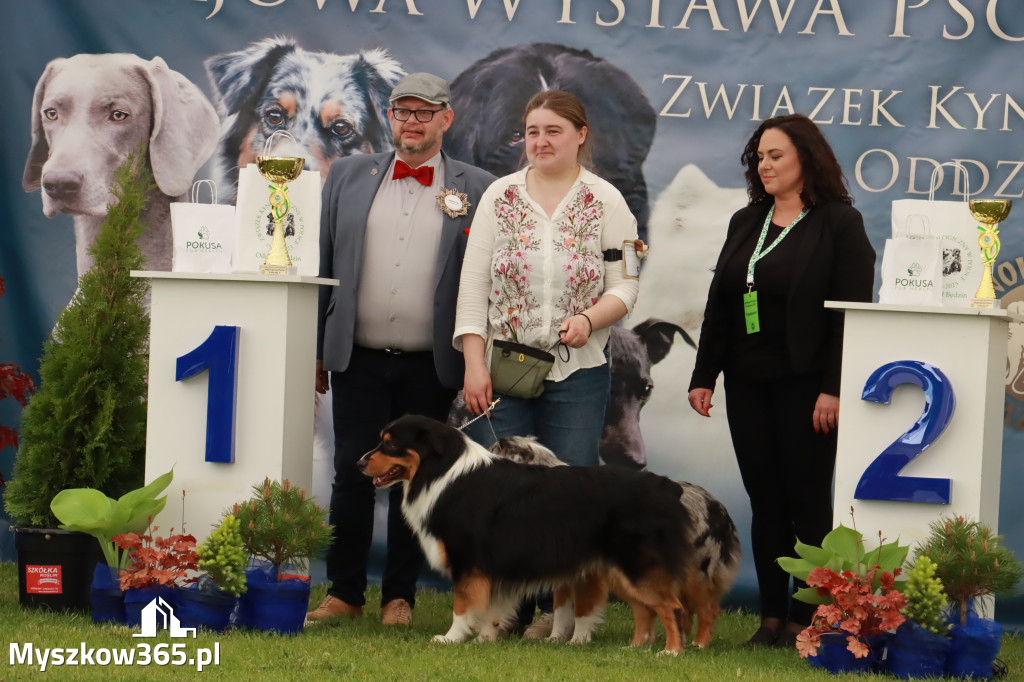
(970, 560)
(281, 525)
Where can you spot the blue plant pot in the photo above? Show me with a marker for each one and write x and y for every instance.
(834, 657)
(197, 609)
(915, 652)
(135, 600)
(973, 647)
(106, 599)
(268, 604)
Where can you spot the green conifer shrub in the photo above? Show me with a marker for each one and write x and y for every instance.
(926, 599)
(970, 560)
(223, 558)
(280, 524)
(86, 425)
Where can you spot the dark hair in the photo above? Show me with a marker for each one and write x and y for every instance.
(569, 107)
(823, 178)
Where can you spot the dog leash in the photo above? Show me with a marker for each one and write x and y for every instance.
(487, 412)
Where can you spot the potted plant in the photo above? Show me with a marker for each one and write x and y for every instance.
(281, 527)
(86, 425)
(88, 510)
(857, 596)
(211, 600)
(920, 646)
(157, 566)
(971, 562)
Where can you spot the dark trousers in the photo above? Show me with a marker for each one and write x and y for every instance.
(787, 471)
(376, 388)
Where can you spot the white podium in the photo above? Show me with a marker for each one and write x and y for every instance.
(968, 348)
(252, 380)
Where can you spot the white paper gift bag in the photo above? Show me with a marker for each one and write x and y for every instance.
(255, 222)
(203, 234)
(912, 268)
(951, 222)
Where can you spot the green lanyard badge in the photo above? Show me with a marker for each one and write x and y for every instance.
(750, 317)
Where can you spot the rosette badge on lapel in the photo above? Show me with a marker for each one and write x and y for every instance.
(453, 202)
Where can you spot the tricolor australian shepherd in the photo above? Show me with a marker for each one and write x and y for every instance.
(501, 530)
(711, 536)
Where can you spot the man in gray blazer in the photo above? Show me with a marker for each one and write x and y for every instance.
(393, 231)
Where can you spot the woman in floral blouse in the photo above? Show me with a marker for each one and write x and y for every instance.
(533, 271)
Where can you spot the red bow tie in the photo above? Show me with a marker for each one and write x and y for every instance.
(424, 174)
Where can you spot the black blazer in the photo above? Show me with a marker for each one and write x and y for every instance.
(836, 263)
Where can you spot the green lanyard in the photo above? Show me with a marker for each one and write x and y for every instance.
(758, 253)
(751, 319)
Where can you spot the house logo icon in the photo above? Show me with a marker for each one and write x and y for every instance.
(156, 612)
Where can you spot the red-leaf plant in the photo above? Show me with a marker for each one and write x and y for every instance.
(13, 383)
(857, 608)
(170, 561)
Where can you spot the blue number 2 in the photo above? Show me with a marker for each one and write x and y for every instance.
(881, 480)
(219, 353)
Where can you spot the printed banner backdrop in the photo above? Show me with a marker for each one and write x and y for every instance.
(673, 89)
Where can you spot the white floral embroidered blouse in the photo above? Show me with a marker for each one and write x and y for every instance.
(525, 273)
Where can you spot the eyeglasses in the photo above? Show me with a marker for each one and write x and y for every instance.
(422, 115)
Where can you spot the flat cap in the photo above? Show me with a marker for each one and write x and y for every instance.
(424, 86)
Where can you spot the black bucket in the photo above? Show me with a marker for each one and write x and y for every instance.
(55, 568)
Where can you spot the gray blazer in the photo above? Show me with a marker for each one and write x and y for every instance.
(351, 185)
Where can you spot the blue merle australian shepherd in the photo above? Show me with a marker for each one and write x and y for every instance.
(711, 537)
(333, 105)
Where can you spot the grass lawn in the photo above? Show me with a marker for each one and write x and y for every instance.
(365, 650)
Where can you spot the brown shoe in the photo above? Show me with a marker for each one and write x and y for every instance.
(396, 612)
(541, 628)
(332, 606)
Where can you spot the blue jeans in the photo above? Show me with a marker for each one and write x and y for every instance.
(567, 417)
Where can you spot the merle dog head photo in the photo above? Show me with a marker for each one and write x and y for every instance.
(332, 105)
(489, 97)
(951, 261)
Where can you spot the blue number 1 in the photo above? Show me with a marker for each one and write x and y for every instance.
(219, 353)
(881, 480)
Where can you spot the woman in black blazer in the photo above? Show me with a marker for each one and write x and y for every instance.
(798, 243)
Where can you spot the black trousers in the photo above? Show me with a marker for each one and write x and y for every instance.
(787, 471)
(376, 388)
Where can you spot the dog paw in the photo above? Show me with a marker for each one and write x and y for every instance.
(487, 637)
(668, 652)
(443, 639)
(580, 640)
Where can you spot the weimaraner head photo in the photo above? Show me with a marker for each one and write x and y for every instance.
(89, 112)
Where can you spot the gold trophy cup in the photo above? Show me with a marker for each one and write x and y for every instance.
(279, 170)
(988, 212)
